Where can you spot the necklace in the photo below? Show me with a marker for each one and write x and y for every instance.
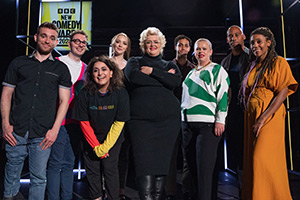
(198, 68)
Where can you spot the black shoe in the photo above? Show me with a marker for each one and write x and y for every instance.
(123, 197)
(170, 197)
(187, 196)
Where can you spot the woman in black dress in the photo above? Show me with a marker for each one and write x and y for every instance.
(155, 113)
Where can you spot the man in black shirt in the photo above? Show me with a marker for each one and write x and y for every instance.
(182, 46)
(32, 120)
(235, 64)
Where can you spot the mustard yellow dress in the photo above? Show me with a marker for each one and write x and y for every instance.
(265, 174)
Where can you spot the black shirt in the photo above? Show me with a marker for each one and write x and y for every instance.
(101, 110)
(234, 78)
(36, 91)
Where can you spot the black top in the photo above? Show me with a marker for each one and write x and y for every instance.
(241, 65)
(185, 69)
(233, 74)
(101, 110)
(36, 91)
(151, 95)
(155, 114)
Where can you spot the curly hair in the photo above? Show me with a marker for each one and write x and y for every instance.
(152, 31)
(127, 52)
(267, 64)
(116, 81)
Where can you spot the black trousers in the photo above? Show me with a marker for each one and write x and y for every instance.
(201, 146)
(95, 167)
(124, 160)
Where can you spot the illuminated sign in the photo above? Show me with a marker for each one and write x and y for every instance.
(67, 16)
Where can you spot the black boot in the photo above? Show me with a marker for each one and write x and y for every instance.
(146, 187)
(160, 182)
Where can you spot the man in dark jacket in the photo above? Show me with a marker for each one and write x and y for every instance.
(235, 64)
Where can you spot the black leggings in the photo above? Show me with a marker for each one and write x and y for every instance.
(151, 187)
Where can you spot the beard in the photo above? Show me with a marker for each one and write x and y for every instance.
(43, 51)
(238, 46)
(182, 55)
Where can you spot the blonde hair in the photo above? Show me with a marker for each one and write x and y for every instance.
(203, 39)
(127, 52)
(152, 31)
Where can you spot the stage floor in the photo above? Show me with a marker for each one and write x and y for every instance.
(227, 187)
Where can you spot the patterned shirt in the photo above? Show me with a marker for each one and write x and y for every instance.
(204, 95)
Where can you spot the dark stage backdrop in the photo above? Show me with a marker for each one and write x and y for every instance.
(195, 18)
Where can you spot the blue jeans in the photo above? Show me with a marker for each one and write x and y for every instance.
(38, 159)
(60, 168)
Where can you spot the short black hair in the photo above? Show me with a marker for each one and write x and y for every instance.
(181, 36)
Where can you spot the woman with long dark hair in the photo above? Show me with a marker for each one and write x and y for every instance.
(266, 85)
(102, 107)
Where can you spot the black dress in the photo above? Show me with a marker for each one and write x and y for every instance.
(155, 113)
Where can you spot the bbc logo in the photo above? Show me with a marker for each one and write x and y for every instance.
(66, 11)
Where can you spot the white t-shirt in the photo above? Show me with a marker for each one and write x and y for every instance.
(74, 67)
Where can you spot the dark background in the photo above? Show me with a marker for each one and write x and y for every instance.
(194, 18)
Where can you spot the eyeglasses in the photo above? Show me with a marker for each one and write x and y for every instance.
(78, 42)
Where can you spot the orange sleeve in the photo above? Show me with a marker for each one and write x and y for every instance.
(284, 77)
(89, 133)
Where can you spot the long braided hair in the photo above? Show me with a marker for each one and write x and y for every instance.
(267, 65)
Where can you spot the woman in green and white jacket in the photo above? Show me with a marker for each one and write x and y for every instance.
(204, 109)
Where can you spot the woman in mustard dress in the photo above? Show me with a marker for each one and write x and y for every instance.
(266, 85)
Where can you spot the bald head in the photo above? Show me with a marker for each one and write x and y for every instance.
(235, 38)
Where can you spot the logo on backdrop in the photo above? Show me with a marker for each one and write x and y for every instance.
(66, 16)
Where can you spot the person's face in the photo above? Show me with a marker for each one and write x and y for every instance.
(152, 45)
(259, 46)
(183, 47)
(120, 45)
(235, 37)
(202, 52)
(102, 75)
(78, 45)
(46, 40)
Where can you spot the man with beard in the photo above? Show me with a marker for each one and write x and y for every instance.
(235, 64)
(61, 160)
(31, 116)
(182, 46)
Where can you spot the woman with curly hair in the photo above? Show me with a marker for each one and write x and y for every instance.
(155, 113)
(102, 107)
(266, 85)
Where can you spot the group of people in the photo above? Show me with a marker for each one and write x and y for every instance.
(51, 106)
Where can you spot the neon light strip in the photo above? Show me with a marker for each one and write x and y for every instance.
(225, 154)
(241, 14)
